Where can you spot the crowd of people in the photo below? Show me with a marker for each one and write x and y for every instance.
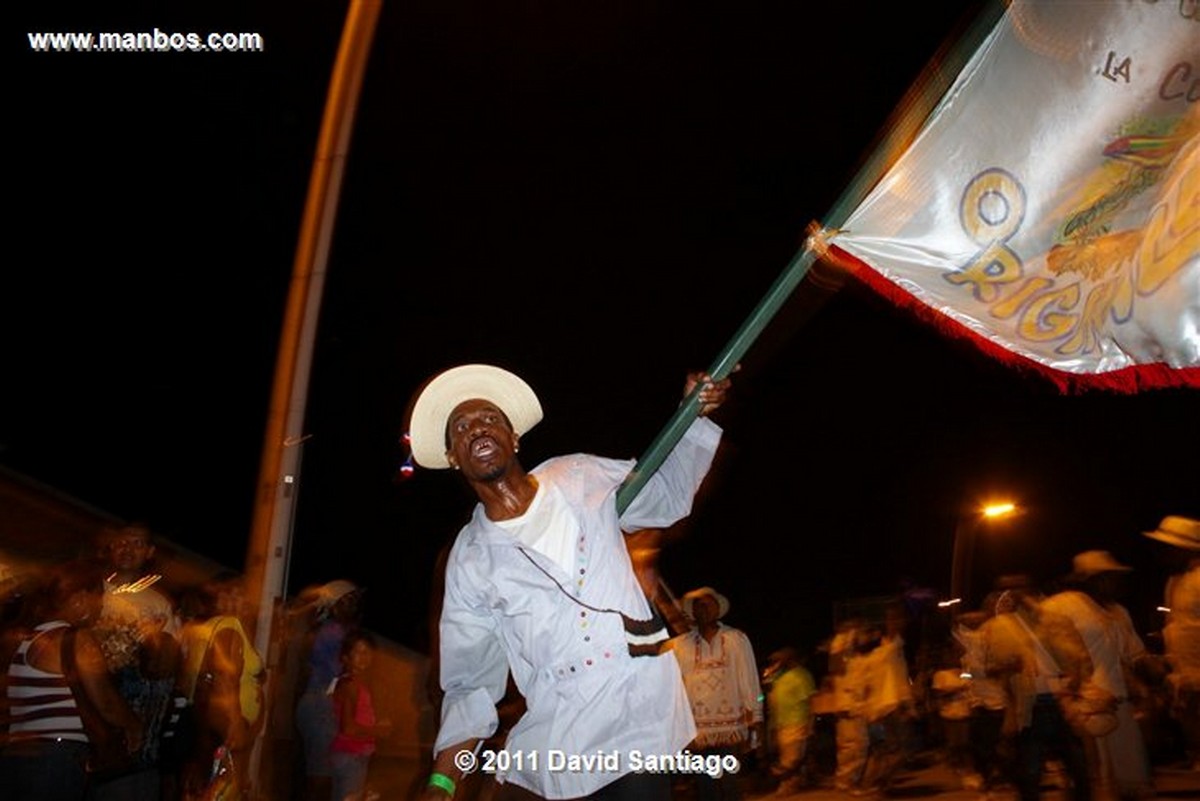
(153, 696)
(115, 688)
(1038, 677)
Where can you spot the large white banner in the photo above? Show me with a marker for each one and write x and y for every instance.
(1051, 203)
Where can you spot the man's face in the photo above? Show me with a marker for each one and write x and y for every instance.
(130, 550)
(480, 440)
(1108, 587)
(705, 609)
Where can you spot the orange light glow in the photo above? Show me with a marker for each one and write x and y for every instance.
(998, 509)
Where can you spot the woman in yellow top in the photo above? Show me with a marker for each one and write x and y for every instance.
(222, 677)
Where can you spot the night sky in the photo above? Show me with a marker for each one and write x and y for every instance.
(592, 195)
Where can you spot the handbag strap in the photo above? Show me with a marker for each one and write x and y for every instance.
(1037, 642)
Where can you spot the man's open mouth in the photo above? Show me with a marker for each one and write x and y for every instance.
(483, 447)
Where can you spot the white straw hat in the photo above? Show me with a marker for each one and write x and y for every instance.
(1182, 532)
(331, 592)
(690, 599)
(445, 391)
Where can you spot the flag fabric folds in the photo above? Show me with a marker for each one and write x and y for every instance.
(1049, 207)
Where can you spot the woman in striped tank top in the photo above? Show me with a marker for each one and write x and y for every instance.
(45, 748)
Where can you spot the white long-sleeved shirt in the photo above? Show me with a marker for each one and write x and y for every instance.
(508, 607)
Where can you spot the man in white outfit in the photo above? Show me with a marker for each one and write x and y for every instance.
(1119, 760)
(540, 583)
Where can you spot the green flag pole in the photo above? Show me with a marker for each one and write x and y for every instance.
(912, 112)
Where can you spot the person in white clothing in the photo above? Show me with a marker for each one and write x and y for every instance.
(889, 703)
(1038, 656)
(723, 687)
(1119, 759)
(539, 583)
(1181, 634)
(850, 679)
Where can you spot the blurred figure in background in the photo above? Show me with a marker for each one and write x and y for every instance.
(223, 677)
(12, 591)
(721, 678)
(889, 703)
(790, 689)
(59, 697)
(180, 730)
(138, 632)
(1181, 635)
(337, 611)
(358, 728)
(644, 546)
(1038, 655)
(991, 751)
(1119, 763)
(950, 693)
(849, 669)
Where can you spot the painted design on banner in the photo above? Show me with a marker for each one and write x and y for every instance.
(1049, 205)
(1089, 247)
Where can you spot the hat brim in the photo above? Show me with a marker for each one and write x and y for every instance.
(331, 592)
(722, 602)
(1082, 574)
(1172, 538)
(1182, 532)
(445, 391)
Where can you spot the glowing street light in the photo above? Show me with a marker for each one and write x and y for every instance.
(999, 509)
(964, 545)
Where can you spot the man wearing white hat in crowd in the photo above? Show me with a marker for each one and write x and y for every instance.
(722, 683)
(1119, 760)
(1181, 635)
(540, 583)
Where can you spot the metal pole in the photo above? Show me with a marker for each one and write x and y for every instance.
(279, 472)
(960, 560)
(269, 549)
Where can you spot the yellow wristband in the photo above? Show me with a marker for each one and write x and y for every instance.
(442, 781)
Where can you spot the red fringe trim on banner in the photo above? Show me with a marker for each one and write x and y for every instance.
(1128, 380)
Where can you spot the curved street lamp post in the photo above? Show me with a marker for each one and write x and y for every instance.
(964, 548)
